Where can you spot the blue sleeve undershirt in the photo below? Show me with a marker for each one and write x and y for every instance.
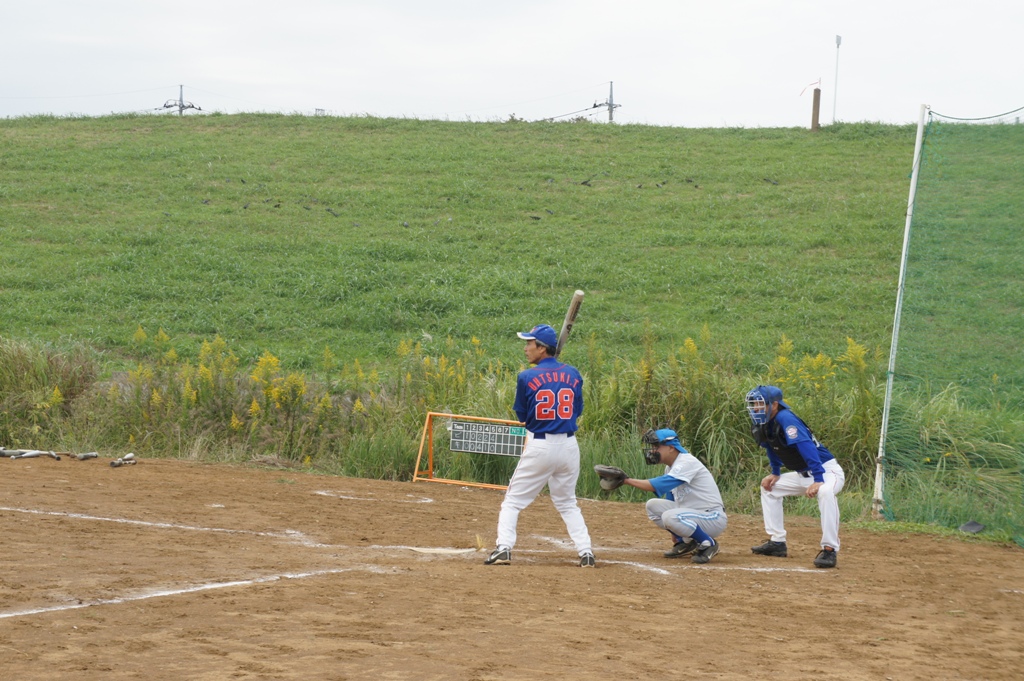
(663, 484)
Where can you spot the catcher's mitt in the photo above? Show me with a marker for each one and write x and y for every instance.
(612, 477)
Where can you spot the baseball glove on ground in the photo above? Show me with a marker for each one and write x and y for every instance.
(612, 477)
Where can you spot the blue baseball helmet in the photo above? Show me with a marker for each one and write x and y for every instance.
(760, 400)
(543, 334)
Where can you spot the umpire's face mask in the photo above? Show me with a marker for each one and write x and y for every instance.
(757, 407)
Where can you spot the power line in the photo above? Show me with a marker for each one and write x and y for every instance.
(109, 94)
(608, 103)
(529, 101)
(217, 94)
(573, 113)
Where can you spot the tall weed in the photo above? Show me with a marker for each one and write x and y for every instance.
(341, 418)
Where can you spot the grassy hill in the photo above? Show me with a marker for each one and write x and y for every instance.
(321, 283)
(292, 234)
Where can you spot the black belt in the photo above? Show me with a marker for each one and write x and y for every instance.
(544, 436)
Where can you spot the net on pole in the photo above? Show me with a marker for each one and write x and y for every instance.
(953, 435)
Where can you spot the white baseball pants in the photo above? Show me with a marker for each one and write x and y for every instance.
(555, 462)
(792, 484)
(680, 521)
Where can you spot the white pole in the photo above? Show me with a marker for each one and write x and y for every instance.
(835, 83)
(877, 502)
(181, 100)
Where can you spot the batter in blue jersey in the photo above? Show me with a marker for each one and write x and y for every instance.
(549, 399)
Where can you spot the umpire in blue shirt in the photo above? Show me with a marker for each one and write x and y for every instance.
(813, 472)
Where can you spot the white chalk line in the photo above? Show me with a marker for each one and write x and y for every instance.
(562, 543)
(300, 538)
(293, 535)
(638, 566)
(186, 590)
(342, 495)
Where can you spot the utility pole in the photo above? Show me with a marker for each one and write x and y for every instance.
(815, 108)
(611, 102)
(180, 104)
(835, 83)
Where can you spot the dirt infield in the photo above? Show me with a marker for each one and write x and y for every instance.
(179, 570)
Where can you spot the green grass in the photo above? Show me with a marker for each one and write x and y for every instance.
(898, 527)
(388, 263)
(964, 300)
(291, 234)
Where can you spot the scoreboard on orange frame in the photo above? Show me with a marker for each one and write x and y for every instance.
(487, 438)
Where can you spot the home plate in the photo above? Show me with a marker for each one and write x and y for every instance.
(440, 550)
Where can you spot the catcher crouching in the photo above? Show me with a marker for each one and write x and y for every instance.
(688, 504)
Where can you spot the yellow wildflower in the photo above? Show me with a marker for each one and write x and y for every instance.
(292, 389)
(645, 370)
(854, 356)
(785, 348)
(191, 394)
(329, 360)
(690, 350)
(323, 405)
(266, 368)
(705, 334)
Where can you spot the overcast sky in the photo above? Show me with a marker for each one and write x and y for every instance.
(735, 63)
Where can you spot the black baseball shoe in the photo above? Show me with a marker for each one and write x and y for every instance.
(587, 560)
(681, 548)
(771, 548)
(826, 558)
(705, 553)
(500, 556)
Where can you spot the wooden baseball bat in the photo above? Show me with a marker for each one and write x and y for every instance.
(570, 319)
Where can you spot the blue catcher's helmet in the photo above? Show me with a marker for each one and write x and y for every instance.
(652, 438)
(759, 402)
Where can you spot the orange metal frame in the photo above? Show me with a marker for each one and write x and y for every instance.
(427, 440)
